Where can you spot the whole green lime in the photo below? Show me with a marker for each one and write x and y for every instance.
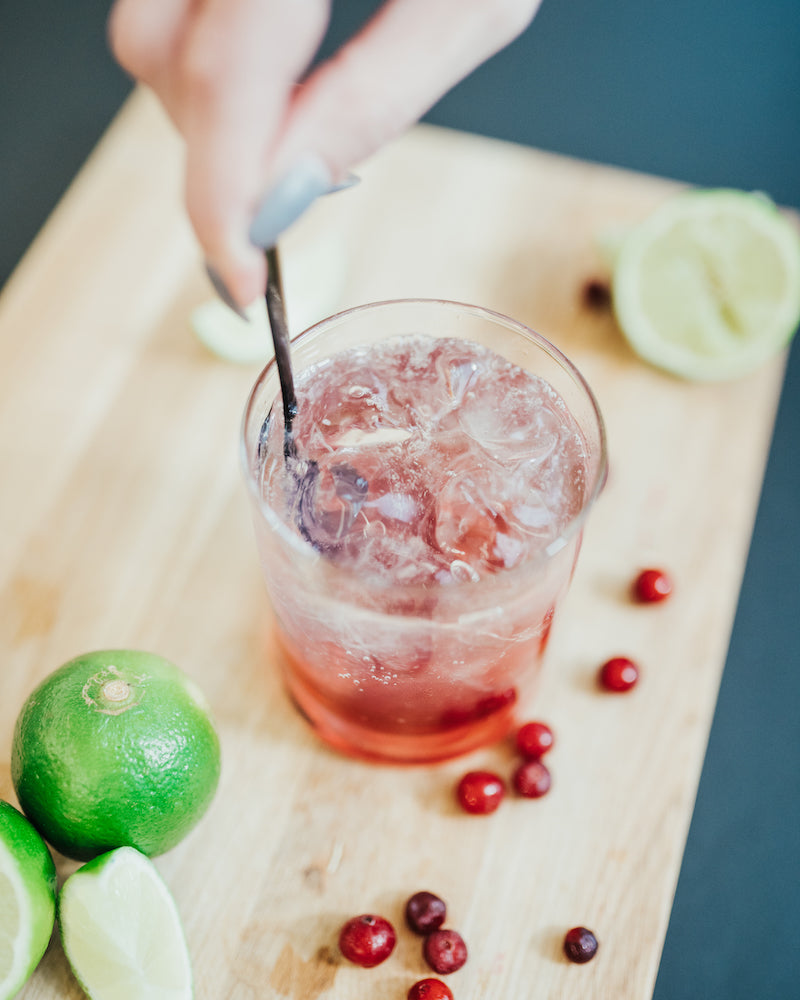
(115, 749)
(27, 899)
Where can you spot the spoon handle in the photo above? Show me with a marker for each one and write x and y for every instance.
(276, 311)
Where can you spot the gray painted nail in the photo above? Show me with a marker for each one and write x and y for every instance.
(348, 181)
(222, 290)
(288, 199)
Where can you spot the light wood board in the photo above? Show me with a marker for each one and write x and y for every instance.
(125, 523)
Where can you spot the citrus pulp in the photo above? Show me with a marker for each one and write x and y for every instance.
(121, 931)
(708, 286)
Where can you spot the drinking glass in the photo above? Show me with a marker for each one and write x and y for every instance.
(395, 671)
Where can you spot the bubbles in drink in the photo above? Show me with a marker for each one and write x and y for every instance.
(423, 460)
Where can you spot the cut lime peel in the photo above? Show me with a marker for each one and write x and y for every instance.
(27, 871)
(17, 938)
(735, 337)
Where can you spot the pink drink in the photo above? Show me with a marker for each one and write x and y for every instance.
(418, 540)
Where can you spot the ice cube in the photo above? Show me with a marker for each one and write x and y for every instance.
(396, 506)
(511, 423)
(387, 557)
(329, 499)
(461, 375)
(357, 438)
(471, 523)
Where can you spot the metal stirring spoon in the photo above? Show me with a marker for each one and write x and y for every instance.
(321, 529)
(276, 311)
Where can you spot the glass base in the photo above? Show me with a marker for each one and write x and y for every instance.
(360, 741)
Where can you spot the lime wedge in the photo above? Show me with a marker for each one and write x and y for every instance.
(121, 930)
(27, 899)
(244, 342)
(314, 275)
(708, 286)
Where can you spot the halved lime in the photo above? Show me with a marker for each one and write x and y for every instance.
(27, 899)
(708, 286)
(121, 930)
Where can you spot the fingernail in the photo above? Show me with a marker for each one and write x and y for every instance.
(350, 180)
(287, 201)
(222, 290)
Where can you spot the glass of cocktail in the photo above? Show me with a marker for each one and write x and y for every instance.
(419, 527)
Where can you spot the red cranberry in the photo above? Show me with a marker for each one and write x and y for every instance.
(597, 294)
(480, 709)
(425, 912)
(495, 703)
(534, 739)
(444, 951)
(430, 989)
(580, 945)
(367, 940)
(480, 792)
(652, 585)
(532, 779)
(619, 674)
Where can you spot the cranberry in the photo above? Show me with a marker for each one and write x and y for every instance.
(495, 703)
(596, 294)
(444, 951)
(652, 585)
(534, 739)
(425, 912)
(619, 674)
(532, 779)
(430, 989)
(480, 792)
(580, 945)
(367, 940)
(481, 709)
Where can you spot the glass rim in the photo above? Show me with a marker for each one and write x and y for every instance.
(307, 552)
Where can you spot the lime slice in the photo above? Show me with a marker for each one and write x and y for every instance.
(121, 930)
(708, 286)
(27, 899)
(244, 342)
(314, 274)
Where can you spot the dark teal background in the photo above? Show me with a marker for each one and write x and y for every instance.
(706, 92)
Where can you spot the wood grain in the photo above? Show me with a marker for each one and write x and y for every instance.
(125, 524)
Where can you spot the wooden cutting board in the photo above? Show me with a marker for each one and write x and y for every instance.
(125, 523)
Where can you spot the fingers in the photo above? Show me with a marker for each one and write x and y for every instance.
(145, 37)
(409, 55)
(226, 71)
(239, 67)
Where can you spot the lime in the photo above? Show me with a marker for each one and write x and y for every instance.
(121, 930)
(230, 337)
(708, 286)
(27, 899)
(115, 748)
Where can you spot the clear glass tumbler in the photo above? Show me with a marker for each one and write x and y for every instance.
(395, 671)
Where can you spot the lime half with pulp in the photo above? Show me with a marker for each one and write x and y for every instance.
(27, 899)
(708, 286)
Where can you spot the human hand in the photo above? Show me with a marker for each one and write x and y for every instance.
(260, 146)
